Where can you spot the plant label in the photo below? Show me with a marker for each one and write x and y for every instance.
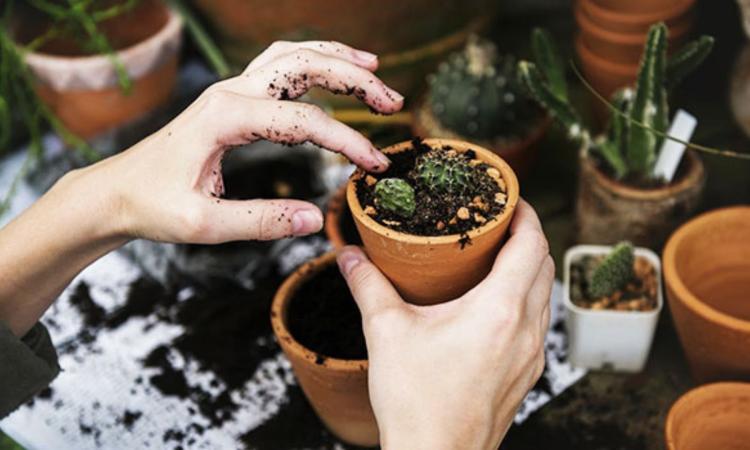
(671, 152)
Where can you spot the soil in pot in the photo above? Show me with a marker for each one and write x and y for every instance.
(437, 213)
(640, 294)
(323, 317)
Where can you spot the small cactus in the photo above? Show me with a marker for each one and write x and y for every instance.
(444, 173)
(396, 196)
(613, 272)
(475, 93)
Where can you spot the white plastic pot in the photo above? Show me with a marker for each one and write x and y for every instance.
(617, 340)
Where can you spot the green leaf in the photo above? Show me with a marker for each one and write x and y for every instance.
(687, 59)
(547, 59)
(558, 107)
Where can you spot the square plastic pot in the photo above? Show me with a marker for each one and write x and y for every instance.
(609, 339)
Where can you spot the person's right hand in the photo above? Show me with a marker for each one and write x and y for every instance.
(451, 376)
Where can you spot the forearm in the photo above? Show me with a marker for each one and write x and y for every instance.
(44, 248)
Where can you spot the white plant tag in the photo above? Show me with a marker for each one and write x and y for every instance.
(671, 152)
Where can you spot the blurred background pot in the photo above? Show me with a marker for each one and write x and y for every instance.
(336, 388)
(714, 416)
(83, 90)
(707, 276)
(617, 20)
(339, 224)
(604, 76)
(608, 211)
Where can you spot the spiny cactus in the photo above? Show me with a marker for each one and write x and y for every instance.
(396, 196)
(628, 148)
(444, 173)
(475, 93)
(613, 272)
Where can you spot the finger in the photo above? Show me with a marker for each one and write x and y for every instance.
(539, 294)
(370, 288)
(243, 220)
(292, 75)
(520, 259)
(231, 119)
(331, 48)
(545, 320)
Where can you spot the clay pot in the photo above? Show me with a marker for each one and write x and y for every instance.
(707, 275)
(435, 269)
(656, 7)
(604, 76)
(520, 154)
(83, 91)
(336, 388)
(339, 224)
(638, 22)
(714, 416)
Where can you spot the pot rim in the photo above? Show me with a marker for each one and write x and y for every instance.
(673, 280)
(584, 52)
(585, 249)
(694, 175)
(637, 18)
(281, 299)
(487, 156)
(724, 388)
(618, 38)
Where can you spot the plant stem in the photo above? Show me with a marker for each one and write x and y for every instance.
(207, 46)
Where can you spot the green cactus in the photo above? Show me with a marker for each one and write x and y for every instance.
(396, 196)
(444, 173)
(628, 148)
(475, 93)
(613, 272)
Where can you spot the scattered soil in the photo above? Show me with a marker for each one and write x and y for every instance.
(323, 317)
(639, 295)
(435, 215)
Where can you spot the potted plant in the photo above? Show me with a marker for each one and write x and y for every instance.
(339, 223)
(707, 278)
(434, 221)
(613, 298)
(619, 197)
(475, 96)
(319, 328)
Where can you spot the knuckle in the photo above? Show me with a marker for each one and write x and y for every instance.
(539, 240)
(216, 98)
(304, 54)
(267, 222)
(279, 45)
(380, 321)
(510, 318)
(196, 224)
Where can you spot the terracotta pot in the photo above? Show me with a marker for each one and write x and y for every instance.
(714, 416)
(637, 22)
(608, 211)
(707, 275)
(336, 388)
(658, 7)
(83, 91)
(604, 76)
(520, 154)
(624, 48)
(339, 224)
(434, 269)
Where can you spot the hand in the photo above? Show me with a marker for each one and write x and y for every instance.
(168, 186)
(451, 376)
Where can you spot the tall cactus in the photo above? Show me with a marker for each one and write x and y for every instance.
(631, 144)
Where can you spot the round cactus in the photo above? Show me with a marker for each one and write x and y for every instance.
(441, 172)
(396, 196)
(476, 93)
(613, 273)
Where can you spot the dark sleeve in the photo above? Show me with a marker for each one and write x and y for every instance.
(27, 366)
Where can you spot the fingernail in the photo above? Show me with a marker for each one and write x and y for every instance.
(348, 260)
(382, 159)
(364, 56)
(306, 221)
(394, 95)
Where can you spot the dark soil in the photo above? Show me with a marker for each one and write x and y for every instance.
(348, 228)
(323, 317)
(638, 295)
(431, 208)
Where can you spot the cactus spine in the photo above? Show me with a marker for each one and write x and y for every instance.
(613, 273)
(395, 196)
(444, 173)
(628, 148)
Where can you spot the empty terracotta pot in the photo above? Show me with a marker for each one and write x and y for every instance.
(83, 90)
(520, 154)
(707, 275)
(608, 211)
(617, 21)
(714, 416)
(336, 388)
(435, 269)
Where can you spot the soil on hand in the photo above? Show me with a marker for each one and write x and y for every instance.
(640, 294)
(437, 214)
(323, 317)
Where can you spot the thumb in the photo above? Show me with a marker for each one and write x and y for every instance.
(264, 220)
(370, 288)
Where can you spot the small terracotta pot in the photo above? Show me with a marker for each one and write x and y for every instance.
(435, 269)
(714, 416)
(624, 48)
(609, 211)
(604, 76)
(616, 21)
(83, 91)
(338, 217)
(520, 154)
(657, 7)
(707, 275)
(336, 388)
